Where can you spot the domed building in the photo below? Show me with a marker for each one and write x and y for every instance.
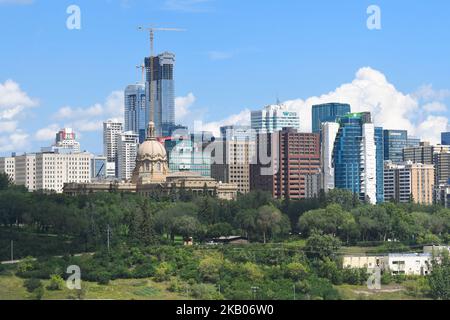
(151, 163)
(151, 175)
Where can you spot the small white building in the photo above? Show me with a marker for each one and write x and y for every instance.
(363, 262)
(417, 264)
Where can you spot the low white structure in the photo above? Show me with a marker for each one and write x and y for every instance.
(417, 264)
(363, 262)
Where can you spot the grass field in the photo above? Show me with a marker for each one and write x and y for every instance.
(390, 292)
(11, 288)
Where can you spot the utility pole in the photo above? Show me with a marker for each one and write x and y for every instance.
(294, 291)
(152, 38)
(12, 250)
(108, 232)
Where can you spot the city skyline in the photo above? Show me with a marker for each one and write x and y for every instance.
(36, 100)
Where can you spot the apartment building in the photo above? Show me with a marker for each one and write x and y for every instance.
(8, 166)
(26, 171)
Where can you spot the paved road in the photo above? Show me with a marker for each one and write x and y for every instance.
(34, 259)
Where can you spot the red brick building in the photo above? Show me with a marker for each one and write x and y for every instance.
(286, 163)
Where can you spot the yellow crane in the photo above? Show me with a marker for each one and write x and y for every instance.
(151, 32)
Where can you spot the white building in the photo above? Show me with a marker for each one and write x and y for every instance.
(8, 166)
(363, 262)
(274, 118)
(417, 264)
(329, 133)
(111, 131)
(369, 165)
(26, 171)
(127, 148)
(55, 169)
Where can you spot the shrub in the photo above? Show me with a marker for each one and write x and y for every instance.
(32, 284)
(56, 283)
(163, 272)
(103, 278)
(205, 292)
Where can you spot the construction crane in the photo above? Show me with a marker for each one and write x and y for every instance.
(142, 67)
(151, 32)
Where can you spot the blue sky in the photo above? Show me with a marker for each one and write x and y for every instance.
(236, 56)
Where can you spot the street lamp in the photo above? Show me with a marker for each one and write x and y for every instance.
(254, 290)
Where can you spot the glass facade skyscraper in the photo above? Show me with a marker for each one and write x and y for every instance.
(163, 91)
(357, 157)
(394, 143)
(137, 114)
(379, 143)
(329, 112)
(445, 138)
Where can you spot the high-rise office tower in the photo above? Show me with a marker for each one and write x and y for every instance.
(379, 144)
(98, 168)
(137, 113)
(355, 156)
(445, 138)
(127, 147)
(412, 142)
(441, 163)
(329, 133)
(394, 143)
(328, 112)
(161, 83)
(236, 149)
(291, 157)
(274, 118)
(405, 182)
(111, 132)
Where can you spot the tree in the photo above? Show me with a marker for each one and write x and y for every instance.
(5, 181)
(331, 220)
(246, 219)
(267, 219)
(209, 269)
(439, 280)
(320, 246)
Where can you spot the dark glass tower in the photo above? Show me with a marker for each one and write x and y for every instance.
(328, 112)
(394, 143)
(163, 92)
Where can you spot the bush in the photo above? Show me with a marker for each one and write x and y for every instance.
(205, 292)
(56, 283)
(386, 278)
(163, 272)
(103, 278)
(32, 284)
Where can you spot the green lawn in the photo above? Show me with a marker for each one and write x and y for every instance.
(389, 292)
(11, 288)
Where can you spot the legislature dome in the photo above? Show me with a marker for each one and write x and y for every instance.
(151, 163)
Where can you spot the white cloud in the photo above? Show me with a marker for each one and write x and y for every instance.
(371, 91)
(242, 118)
(8, 126)
(435, 107)
(428, 93)
(13, 100)
(91, 118)
(14, 142)
(47, 134)
(182, 105)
